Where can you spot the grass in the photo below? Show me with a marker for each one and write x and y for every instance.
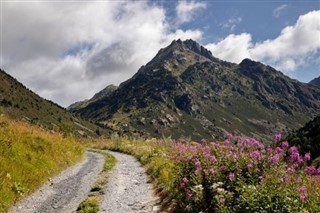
(91, 204)
(30, 155)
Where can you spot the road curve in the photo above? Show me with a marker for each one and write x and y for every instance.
(66, 191)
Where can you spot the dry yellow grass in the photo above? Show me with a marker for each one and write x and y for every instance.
(30, 155)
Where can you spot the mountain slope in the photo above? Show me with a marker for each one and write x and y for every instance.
(315, 82)
(185, 91)
(307, 139)
(19, 102)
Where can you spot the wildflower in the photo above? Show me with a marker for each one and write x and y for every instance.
(284, 144)
(220, 190)
(203, 140)
(303, 197)
(277, 137)
(318, 171)
(310, 170)
(274, 159)
(185, 180)
(293, 149)
(198, 164)
(212, 171)
(290, 170)
(199, 187)
(222, 200)
(279, 150)
(190, 194)
(255, 154)
(231, 176)
(306, 157)
(229, 136)
(295, 156)
(301, 189)
(250, 166)
(182, 185)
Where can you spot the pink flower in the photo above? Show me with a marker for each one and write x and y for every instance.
(303, 197)
(290, 170)
(295, 156)
(306, 157)
(279, 150)
(318, 171)
(231, 176)
(203, 140)
(222, 200)
(293, 149)
(250, 166)
(301, 189)
(212, 171)
(284, 145)
(185, 180)
(274, 159)
(255, 154)
(277, 137)
(198, 164)
(310, 170)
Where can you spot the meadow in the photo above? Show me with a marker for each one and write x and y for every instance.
(234, 175)
(29, 156)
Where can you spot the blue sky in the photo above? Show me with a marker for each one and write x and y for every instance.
(67, 51)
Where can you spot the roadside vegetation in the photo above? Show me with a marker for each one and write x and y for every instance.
(30, 155)
(235, 175)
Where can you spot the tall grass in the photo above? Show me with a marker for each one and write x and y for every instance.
(28, 157)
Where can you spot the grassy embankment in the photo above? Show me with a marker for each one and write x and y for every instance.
(29, 156)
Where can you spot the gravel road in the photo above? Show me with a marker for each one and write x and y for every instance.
(128, 189)
(66, 191)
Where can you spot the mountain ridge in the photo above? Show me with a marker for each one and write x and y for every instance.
(19, 102)
(185, 91)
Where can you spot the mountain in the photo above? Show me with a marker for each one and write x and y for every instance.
(100, 95)
(185, 91)
(315, 82)
(307, 139)
(18, 102)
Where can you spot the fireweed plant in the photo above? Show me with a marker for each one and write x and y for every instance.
(243, 175)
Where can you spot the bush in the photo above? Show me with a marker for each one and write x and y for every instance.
(246, 177)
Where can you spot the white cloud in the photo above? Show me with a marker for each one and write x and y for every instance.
(232, 23)
(278, 10)
(67, 51)
(286, 52)
(187, 9)
(233, 48)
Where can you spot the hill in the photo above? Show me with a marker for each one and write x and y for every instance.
(185, 91)
(18, 102)
(315, 82)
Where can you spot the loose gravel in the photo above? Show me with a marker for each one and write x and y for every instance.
(66, 191)
(128, 189)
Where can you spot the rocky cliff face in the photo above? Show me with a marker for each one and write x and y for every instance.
(184, 91)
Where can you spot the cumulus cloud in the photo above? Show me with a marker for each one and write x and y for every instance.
(278, 10)
(286, 52)
(187, 9)
(67, 51)
(233, 48)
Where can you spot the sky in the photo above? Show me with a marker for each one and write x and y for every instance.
(67, 51)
